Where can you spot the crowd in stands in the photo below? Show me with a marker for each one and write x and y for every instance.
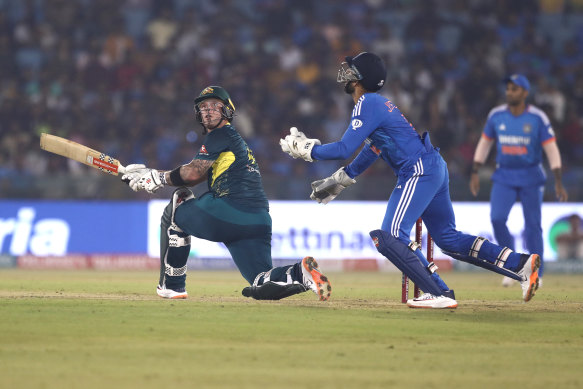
(121, 76)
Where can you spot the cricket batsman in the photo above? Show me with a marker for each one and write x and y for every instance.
(234, 210)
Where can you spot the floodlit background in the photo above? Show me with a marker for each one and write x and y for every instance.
(121, 77)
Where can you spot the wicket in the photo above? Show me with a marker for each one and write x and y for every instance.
(428, 254)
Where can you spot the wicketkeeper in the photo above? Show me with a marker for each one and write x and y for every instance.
(422, 188)
(234, 211)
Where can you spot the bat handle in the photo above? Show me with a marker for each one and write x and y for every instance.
(121, 170)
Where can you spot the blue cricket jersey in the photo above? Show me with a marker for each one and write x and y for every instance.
(422, 188)
(519, 144)
(388, 134)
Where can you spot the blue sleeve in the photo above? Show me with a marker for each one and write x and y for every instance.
(341, 149)
(363, 160)
(363, 123)
(489, 129)
(546, 131)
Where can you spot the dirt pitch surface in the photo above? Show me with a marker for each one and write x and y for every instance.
(95, 329)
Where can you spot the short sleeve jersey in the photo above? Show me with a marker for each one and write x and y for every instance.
(519, 144)
(519, 139)
(234, 175)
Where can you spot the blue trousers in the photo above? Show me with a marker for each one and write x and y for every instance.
(502, 198)
(423, 191)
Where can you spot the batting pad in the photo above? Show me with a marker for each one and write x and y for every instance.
(405, 260)
(483, 264)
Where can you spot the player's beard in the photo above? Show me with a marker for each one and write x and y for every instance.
(513, 102)
(349, 87)
(211, 124)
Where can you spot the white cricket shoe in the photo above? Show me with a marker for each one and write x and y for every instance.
(313, 279)
(529, 274)
(427, 300)
(171, 294)
(507, 282)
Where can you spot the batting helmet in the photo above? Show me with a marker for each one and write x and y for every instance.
(367, 68)
(217, 92)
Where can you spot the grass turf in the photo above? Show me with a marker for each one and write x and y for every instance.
(96, 329)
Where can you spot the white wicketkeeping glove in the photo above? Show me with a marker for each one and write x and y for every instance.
(133, 171)
(297, 145)
(326, 190)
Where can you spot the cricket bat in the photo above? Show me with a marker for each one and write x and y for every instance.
(78, 152)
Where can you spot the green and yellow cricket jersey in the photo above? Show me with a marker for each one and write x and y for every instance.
(234, 175)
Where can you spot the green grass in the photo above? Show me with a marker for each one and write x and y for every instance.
(97, 329)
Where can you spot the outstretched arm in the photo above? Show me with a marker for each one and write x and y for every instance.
(342, 149)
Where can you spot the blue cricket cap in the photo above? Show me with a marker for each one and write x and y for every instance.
(518, 79)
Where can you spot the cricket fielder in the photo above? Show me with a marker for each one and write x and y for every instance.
(234, 210)
(521, 132)
(422, 188)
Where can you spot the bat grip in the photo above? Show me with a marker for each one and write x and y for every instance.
(121, 170)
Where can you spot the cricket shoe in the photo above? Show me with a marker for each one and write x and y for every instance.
(427, 300)
(179, 293)
(507, 282)
(313, 279)
(529, 274)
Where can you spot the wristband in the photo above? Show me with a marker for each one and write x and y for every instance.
(163, 178)
(175, 177)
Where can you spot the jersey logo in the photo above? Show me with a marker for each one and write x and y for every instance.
(203, 150)
(356, 123)
(502, 127)
(527, 128)
(514, 150)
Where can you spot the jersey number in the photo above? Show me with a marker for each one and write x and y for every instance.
(250, 156)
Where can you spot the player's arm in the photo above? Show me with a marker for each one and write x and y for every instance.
(190, 174)
(345, 147)
(360, 128)
(367, 156)
(481, 154)
(139, 177)
(362, 124)
(554, 156)
(326, 190)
